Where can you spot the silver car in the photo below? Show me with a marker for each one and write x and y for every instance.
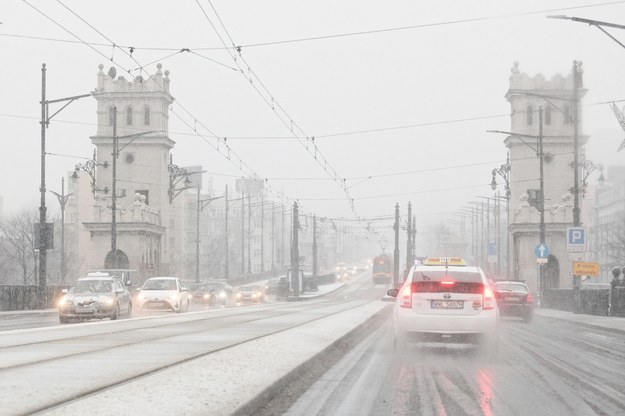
(95, 298)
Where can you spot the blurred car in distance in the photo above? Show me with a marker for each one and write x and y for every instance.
(443, 300)
(224, 293)
(96, 296)
(163, 293)
(251, 293)
(202, 293)
(271, 287)
(514, 298)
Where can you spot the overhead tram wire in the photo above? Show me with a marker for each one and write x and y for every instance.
(112, 59)
(338, 35)
(290, 124)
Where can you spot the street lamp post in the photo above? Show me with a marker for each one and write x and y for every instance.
(63, 198)
(538, 198)
(504, 172)
(42, 243)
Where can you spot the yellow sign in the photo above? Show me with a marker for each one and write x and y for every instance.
(584, 268)
(444, 261)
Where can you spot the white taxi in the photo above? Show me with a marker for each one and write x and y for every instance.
(443, 300)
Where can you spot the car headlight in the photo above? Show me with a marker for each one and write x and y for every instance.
(207, 295)
(222, 294)
(238, 295)
(140, 297)
(109, 301)
(65, 303)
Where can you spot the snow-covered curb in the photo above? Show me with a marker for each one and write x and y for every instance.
(231, 380)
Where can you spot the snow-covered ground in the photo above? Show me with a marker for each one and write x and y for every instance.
(222, 382)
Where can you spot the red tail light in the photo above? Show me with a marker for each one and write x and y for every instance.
(489, 298)
(447, 282)
(406, 297)
(530, 298)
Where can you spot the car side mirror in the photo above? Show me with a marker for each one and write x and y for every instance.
(128, 283)
(393, 292)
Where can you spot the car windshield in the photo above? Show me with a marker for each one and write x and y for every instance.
(442, 275)
(93, 286)
(511, 287)
(160, 284)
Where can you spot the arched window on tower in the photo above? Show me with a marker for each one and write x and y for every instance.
(530, 115)
(146, 115)
(129, 116)
(547, 114)
(112, 115)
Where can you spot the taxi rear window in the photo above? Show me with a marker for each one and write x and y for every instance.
(441, 275)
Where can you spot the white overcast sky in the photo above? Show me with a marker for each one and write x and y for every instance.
(447, 61)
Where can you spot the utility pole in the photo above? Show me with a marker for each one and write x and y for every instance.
(314, 249)
(409, 239)
(43, 228)
(227, 260)
(576, 214)
(414, 236)
(396, 251)
(273, 238)
(242, 232)
(249, 232)
(542, 196)
(262, 232)
(114, 193)
(295, 253)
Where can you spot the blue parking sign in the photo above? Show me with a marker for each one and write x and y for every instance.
(575, 239)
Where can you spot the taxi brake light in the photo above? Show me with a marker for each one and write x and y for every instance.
(447, 282)
(530, 298)
(489, 298)
(406, 297)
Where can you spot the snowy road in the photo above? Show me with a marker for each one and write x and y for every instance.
(545, 368)
(55, 369)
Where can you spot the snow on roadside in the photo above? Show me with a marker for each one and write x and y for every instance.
(222, 382)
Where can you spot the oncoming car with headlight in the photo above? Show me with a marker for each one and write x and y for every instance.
(443, 300)
(95, 297)
(163, 293)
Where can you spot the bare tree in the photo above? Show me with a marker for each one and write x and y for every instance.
(18, 239)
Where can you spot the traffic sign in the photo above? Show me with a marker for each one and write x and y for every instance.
(576, 239)
(585, 268)
(542, 250)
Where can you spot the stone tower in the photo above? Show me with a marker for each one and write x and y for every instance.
(133, 114)
(556, 97)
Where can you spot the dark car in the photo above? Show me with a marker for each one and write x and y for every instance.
(95, 297)
(514, 298)
(203, 293)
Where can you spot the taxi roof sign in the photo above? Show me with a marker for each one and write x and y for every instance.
(444, 261)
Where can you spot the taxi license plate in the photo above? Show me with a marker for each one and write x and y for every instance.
(447, 304)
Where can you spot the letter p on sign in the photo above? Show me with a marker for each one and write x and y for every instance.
(575, 239)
